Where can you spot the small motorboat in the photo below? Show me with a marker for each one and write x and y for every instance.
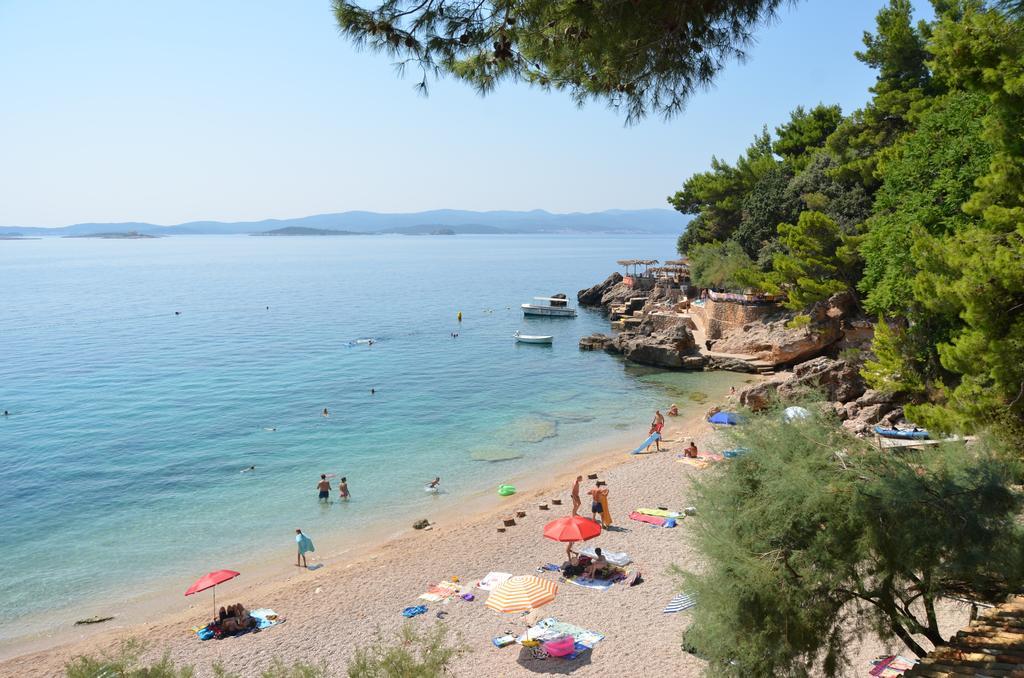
(532, 338)
(556, 307)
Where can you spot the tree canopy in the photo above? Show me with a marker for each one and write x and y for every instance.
(640, 57)
(814, 537)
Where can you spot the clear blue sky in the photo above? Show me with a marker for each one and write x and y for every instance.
(175, 111)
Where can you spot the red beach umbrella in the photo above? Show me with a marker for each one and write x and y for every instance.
(209, 581)
(572, 528)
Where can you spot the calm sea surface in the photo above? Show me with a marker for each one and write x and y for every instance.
(129, 424)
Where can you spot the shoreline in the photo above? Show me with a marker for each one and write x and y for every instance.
(270, 577)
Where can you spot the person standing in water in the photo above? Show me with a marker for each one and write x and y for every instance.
(434, 483)
(343, 489)
(576, 501)
(324, 488)
(305, 545)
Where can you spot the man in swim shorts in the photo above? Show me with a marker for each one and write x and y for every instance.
(324, 488)
(576, 502)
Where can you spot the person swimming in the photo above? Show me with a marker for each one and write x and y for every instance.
(325, 413)
(246, 470)
(372, 391)
(434, 483)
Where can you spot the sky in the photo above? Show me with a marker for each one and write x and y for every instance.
(252, 109)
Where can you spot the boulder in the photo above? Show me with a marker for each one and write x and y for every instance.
(595, 342)
(759, 396)
(671, 347)
(837, 380)
(731, 365)
(872, 397)
(872, 414)
(620, 293)
(592, 296)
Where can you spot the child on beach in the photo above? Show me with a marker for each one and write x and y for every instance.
(305, 545)
(343, 489)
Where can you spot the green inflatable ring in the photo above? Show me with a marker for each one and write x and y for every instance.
(506, 490)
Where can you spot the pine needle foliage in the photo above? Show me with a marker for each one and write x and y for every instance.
(814, 537)
(639, 57)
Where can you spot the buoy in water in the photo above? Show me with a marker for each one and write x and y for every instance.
(459, 316)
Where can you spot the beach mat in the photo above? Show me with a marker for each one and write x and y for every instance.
(588, 583)
(492, 580)
(652, 520)
(550, 628)
(683, 601)
(698, 463)
(620, 559)
(265, 617)
(660, 513)
(441, 591)
(891, 666)
(647, 443)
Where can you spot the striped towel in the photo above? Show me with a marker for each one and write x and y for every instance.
(683, 601)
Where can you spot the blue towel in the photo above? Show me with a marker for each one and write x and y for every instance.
(413, 611)
(647, 443)
(305, 543)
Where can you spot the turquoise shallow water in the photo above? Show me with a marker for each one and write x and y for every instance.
(129, 424)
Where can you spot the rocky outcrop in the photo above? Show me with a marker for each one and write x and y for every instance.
(779, 343)
(660, 344)
(563, 300)
(595, 342)
(593, 296)
(836, 380)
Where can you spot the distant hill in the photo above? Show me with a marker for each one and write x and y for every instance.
(441, 229)
(303, 230)
(115, 235)
(652, 221)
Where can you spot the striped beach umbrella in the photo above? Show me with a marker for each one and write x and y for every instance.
(518, 594)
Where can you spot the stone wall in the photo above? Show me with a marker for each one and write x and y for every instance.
(722, 317)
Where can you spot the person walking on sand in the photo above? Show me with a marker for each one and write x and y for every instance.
(576, 502)
(305, 545)
(343, 489)
(324, 488)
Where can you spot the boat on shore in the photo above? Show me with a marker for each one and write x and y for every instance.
(918, 434)
(532, 338)
(555, 308)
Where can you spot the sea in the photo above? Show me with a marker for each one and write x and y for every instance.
(142, 377)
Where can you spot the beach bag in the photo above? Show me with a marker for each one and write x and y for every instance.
(560, 647)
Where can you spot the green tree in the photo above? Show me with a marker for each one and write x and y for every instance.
(893, 368)
(716, 196)
(817, 261)
(721, 266)
(817, 187)
(926, 178)
(814, 538)
(806, 132)
(638, 56)
(897, 52)
(977, 273)
(764, 207)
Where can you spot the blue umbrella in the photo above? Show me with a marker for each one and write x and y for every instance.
(727, 418)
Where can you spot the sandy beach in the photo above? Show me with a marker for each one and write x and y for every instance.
(342, 603)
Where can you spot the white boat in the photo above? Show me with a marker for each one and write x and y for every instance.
(532, 338)
(555, 308)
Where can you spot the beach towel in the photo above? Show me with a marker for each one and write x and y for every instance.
(661, 513)
(891, 666)
(492, 580)
(413, 611)
(698, 463)
(305, 543)
(683, 601)
(732, 454)
(620, 559)
(587, 582)
(653, 520)
(550, 628)
(647, 443)
(441, 591)
(265, 617)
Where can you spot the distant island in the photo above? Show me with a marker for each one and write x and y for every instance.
(15, 236)
(432, 222)
(305, 230)
(127, 235)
